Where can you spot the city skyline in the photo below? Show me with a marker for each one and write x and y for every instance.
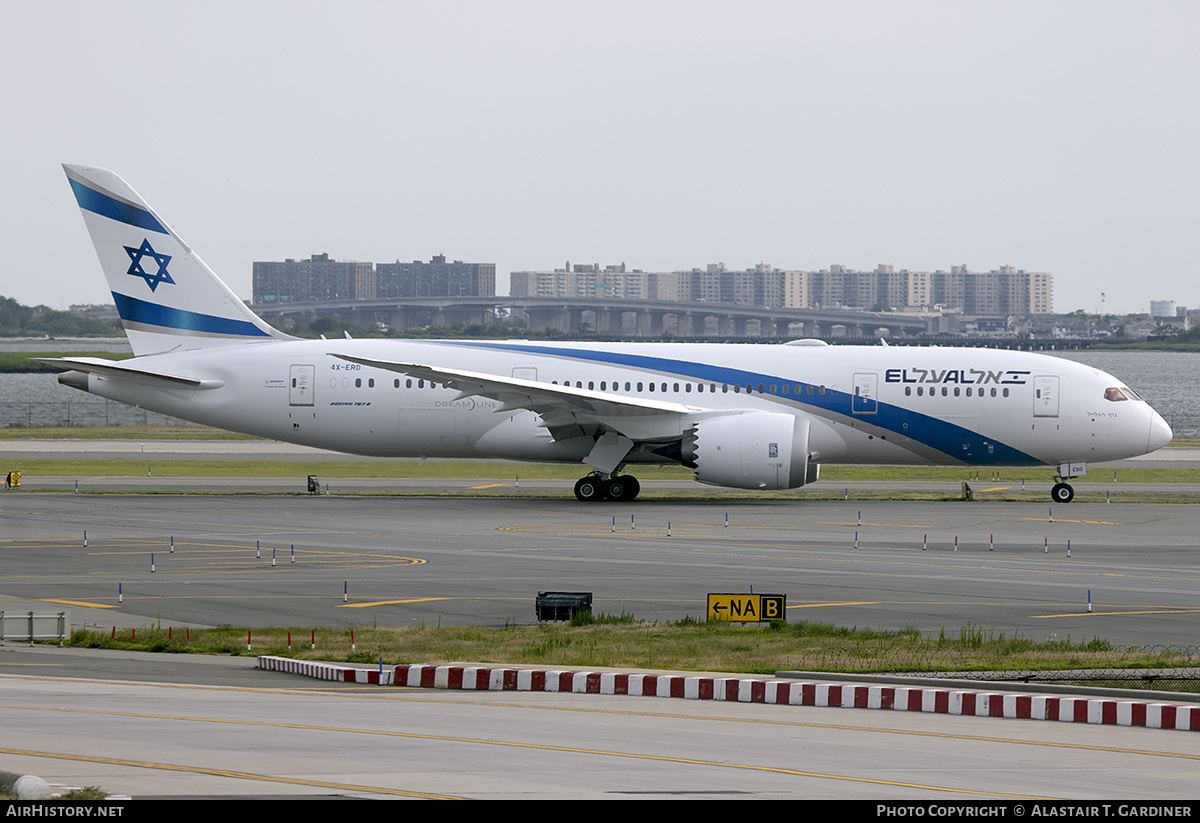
(1004, 291)
(1051, 137)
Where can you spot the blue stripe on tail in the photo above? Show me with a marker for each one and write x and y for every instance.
(133, 310)
(114, 209)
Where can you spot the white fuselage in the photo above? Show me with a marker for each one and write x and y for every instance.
(865, 404)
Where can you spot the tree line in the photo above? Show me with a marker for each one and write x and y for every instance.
(42, 321)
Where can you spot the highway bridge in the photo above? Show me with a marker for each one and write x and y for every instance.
(608, 317)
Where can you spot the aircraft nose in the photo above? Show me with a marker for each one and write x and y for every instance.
(1160, 432)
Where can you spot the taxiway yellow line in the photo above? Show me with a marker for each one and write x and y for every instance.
(392, 602)
(83, 604)
(1064, 520)
(827, 605)
(453, 739)
(172, 767)
(1113, 614)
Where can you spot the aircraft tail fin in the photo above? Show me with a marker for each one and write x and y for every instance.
(166, 296)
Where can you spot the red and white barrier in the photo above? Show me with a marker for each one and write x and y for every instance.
(327, 671)
(1104, 711)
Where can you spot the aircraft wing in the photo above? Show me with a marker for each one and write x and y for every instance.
(565, 410)
(128, 370)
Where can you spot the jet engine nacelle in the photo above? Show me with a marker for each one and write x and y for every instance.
(751, 450)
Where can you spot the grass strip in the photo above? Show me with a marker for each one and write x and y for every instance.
(622, 641)
(12, 362)
(119, 433)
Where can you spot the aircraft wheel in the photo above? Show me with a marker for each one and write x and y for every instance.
(589, 489)
(632, 486)
(617, 488)
(1062, 493)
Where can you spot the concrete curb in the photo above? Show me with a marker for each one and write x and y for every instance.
(965, 702)
(327, 671)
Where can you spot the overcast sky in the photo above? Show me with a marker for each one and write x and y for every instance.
(1050, 136)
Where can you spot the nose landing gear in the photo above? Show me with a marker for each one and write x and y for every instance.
(1062, 492)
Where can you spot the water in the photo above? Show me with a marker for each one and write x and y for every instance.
(39, 400)
(1169, 381)
(112, 344)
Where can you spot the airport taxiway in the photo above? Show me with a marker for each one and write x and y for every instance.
(154, 725)
(214, 727)
(343, 560)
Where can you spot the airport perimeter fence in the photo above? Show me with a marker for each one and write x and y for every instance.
(1155, 668)
(1183, 422)
(96, 411)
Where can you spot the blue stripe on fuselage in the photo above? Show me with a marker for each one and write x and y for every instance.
(114, 209)
(153, 314)
(941, 435)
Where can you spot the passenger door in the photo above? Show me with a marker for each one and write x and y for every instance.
(866, 387)
(1045, 395)
(300, 388)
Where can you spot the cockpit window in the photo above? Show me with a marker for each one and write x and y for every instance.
(1114, 394)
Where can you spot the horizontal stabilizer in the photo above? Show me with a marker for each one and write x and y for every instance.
(117, 368)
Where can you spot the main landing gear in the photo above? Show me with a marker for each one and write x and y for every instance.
(1062, 492)
(597, 487)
